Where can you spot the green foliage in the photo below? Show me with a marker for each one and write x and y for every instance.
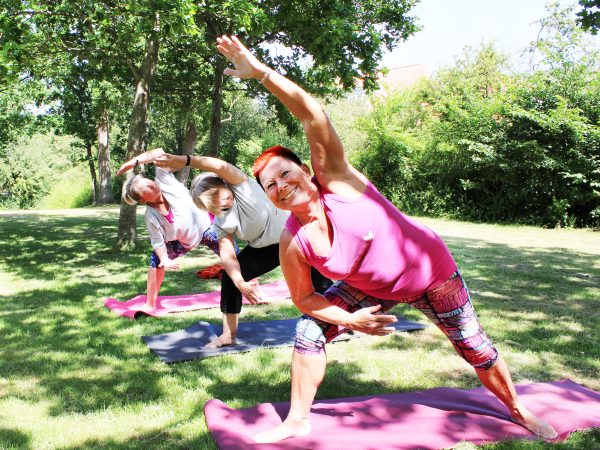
(272, 134)
(30, 168)
(589, 16)
(21, 181)
(475, 142)
(72, 190)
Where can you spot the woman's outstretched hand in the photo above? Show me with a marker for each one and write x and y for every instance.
(127, 166)
(367, 321)
(246, 64)
(250, 292)
(172, 162)
(169, 264)
(145, 158)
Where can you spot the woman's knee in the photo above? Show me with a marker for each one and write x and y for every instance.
(482, 356)
(310, 339)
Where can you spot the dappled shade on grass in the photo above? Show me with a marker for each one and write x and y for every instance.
(67, 363)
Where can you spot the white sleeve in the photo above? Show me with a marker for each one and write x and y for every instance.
(167, 181)
(155, 231)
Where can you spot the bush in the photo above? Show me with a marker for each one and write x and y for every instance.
(30, 168)
(481, 145)
(72, 190)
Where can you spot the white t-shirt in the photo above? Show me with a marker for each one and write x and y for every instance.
(252, 216)
(189, 222)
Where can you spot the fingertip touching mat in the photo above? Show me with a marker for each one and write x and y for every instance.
(188, 344)
(277, 290)
(431, 419)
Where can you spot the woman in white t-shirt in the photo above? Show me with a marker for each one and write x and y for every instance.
(241, 210)
(174, 223)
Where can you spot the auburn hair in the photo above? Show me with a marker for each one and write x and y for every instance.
(268, 154)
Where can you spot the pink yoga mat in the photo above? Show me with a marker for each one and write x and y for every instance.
(432, 419)
(276, 290)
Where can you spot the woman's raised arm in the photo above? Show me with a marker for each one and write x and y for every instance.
(328, 159)
(227, 172)
(143, 158)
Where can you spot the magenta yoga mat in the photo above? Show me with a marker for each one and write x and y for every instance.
(277, 290)
(431, 419)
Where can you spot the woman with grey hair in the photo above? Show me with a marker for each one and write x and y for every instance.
(174, 223)
(241, 210)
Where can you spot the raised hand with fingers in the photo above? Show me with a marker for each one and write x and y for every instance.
(171, 162)
(246, 64)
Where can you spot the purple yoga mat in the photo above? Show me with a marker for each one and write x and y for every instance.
(276, 290)
(431, 419)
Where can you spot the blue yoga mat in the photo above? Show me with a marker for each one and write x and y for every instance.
(189, 344)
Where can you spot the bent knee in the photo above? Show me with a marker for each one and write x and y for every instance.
(310, 339)
(482, 359)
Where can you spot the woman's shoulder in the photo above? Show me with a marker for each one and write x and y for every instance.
(352, 186)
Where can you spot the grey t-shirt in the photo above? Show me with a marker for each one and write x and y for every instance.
(189, 222)
(252, 217)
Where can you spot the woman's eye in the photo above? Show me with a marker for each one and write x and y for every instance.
(270, 186)
(284, 173)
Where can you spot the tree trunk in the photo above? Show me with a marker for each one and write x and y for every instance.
(88, 148)
(105, 194)
(217, 103)
(137, 134)
(189, 141)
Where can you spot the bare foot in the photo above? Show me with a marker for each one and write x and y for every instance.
(288, 429)
(146, 308)
(534, 424)
(221, 341)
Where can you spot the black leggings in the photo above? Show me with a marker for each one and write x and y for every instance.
(255, 262)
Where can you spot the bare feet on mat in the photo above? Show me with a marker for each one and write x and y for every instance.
(288, 429)
(221, 341)
(147, 308)
(534, 424)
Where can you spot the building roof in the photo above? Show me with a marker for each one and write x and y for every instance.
(401, 77)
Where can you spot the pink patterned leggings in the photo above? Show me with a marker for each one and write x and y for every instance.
(448, 306)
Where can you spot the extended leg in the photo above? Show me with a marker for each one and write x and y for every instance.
(498, 380)
(449, 307)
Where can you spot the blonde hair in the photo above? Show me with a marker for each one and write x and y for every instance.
(130, 194)
(205, 189)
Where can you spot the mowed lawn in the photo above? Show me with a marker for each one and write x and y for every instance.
(75, 376)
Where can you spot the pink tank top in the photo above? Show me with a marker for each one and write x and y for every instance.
(376, 248)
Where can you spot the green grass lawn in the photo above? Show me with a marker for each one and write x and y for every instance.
(75, 376)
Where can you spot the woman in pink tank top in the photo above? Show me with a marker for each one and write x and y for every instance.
(341, 225)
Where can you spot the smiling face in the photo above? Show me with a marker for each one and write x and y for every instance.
(286, 184)
(221, 201)
(147, 190)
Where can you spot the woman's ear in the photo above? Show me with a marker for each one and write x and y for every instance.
(306, 169)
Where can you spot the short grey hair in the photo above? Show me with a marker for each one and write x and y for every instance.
(130, 193)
